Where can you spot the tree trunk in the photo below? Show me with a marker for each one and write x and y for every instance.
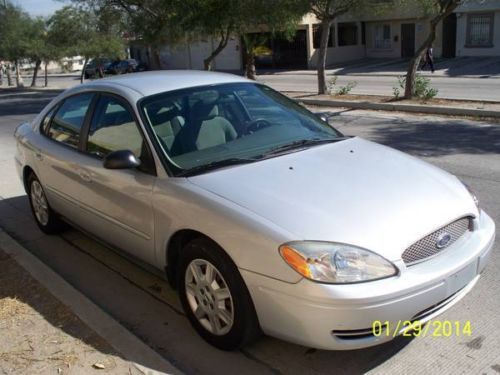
(325, 34)
(208, 62)
(19, 79)
(156, 58)
(415, 61)
(9, 75)
(83, 69)
(250, 66)
(46, 75)
(35, 73)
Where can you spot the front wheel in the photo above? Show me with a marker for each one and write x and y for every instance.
(47, 220)
(215, 297)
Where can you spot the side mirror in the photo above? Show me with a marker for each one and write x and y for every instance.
(121, 159)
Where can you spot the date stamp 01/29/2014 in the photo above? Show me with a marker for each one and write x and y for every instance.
(433, 328)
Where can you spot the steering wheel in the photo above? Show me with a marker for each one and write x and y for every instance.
(257, 124)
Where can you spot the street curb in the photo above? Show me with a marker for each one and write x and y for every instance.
(415, 108)
(145, 359)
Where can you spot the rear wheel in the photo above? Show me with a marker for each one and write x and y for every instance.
(47, 220)
(215, 297)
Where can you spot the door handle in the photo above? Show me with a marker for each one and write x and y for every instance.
(85, 176)
(38, 155)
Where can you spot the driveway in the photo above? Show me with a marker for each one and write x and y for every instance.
(146, 305)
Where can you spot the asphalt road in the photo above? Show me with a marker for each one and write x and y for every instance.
(487, 89)
(146, 305)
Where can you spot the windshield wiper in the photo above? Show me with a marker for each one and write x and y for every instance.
(214, 165)
(301, 144)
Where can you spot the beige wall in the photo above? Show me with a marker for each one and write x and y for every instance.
(190, 55)
(462, 50)
(421, 32)
(336, 53)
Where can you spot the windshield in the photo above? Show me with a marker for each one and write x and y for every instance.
(205, 125)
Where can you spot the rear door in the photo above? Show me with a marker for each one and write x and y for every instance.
(58, 154)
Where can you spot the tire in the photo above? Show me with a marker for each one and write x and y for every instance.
(47, 219)
(226, 320)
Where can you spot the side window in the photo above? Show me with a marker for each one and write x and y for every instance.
(113, 128)
(66, 124)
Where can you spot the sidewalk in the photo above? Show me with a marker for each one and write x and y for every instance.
(459, 67)
(42, 335)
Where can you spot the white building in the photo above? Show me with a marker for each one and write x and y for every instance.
(469, 31)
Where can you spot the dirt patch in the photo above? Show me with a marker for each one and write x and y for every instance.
(41, 335)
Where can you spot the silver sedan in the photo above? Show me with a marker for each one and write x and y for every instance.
(264, 217)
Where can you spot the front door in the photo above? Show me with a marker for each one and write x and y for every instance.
(450, 35)
(118, 201)
(407, 40)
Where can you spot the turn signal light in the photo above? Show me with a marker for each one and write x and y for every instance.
(296, 261)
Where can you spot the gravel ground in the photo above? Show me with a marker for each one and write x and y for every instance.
(40, 335)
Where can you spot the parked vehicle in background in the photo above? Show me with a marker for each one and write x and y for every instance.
(142, 67)
(122, 66)
(92, 68)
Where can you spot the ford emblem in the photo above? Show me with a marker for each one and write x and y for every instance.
(443, 240)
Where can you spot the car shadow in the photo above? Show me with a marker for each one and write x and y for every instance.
(429, 138)
(268, 354)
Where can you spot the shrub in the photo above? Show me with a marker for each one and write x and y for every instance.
(422, 87)
(331, 85)
(344, 90)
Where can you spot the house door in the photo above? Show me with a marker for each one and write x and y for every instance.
(449, 35)
(407, 40)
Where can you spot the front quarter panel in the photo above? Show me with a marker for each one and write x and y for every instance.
(251, 241)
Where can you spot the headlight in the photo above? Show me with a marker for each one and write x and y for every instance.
(335, 263)
(472, 194)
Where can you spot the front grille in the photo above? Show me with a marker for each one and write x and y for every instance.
(427, 246)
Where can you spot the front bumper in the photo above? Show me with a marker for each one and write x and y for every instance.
(313, 314)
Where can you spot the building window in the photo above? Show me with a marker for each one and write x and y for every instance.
(383, 36)
(480, 30)
(348, 34)
(317, 36)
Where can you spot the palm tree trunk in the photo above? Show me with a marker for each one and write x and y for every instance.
(325, 34)
(35, 73)
(250, 66)
(46, 75)
(83, 69)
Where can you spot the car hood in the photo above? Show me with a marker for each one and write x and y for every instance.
(354, 191)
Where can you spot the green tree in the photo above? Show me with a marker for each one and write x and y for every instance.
(154, 22)
(13, 37)
(222, 19)
(36, 45)
(327, 11)
(437, 10)
(78, 31)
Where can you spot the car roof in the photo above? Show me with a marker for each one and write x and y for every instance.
(155, 82)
